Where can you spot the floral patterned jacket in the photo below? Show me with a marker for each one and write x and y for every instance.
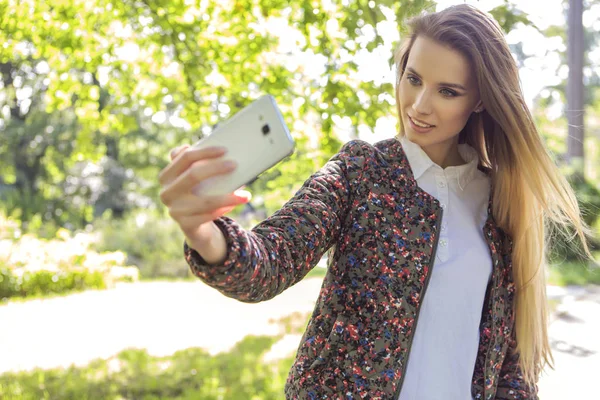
(383, 230)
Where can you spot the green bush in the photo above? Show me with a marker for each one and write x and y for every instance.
(45, 282)
(35, 266)
(152, 242)
(574, 273)
(242, 373)
(8, 283)
(41, 283)
(133, 374)
(588, 196)
(589, 199)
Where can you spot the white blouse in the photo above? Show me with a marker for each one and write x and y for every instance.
(442, 358)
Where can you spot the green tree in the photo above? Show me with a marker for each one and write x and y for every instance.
(104, 66)
(115, 85)
(581, 108)
(577, 128)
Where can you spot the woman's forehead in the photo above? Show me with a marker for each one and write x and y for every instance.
(437, 63)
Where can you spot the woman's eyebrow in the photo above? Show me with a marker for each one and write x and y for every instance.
(451, 85)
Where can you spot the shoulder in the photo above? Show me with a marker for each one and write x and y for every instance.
(383, 163)
(381, 152)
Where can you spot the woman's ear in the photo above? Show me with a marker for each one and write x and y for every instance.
(479, 107)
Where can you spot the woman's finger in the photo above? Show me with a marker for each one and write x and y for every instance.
(194, 175)
(190, 223)
(193, 205)
(175, 152)
(184, 159)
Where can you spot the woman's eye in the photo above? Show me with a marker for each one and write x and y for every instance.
(448, 93)
(412, 80)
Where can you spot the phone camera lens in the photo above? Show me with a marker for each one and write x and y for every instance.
(266, 129)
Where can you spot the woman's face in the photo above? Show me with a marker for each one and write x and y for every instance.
(437, 93)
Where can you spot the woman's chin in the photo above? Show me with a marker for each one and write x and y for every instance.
(413, 136)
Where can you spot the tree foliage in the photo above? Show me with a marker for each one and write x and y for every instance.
(95, 92)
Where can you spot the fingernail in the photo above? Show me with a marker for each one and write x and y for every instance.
(243, 194)
(230, 164)
(178, 150)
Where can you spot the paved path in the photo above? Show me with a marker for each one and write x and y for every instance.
(575, 338)
(164, 317)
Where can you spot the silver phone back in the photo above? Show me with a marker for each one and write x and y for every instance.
(248, 145)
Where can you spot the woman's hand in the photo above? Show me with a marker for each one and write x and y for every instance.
(194, 213)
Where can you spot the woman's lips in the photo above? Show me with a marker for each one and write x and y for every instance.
(420, 129)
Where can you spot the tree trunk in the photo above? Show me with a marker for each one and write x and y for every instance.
(575, 94)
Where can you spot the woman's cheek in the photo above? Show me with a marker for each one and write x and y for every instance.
(457, 114)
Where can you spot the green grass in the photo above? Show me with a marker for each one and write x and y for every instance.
(193, 373)
(133, 374)
(189, 278)
(239, 374)
(316, 272)
(43, 296)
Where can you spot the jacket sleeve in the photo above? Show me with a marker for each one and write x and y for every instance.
(281, 250)
(511, 385)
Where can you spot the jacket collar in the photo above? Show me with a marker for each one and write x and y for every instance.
(404, 178)
(420, 162)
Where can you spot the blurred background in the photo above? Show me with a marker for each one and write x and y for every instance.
(96, 300)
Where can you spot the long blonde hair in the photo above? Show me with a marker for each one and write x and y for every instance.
(530, 195)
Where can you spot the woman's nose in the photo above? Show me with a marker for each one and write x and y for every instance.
(422, 103)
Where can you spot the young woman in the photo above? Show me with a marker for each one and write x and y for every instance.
(436, 285)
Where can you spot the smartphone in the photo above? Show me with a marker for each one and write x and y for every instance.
(256, 137)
